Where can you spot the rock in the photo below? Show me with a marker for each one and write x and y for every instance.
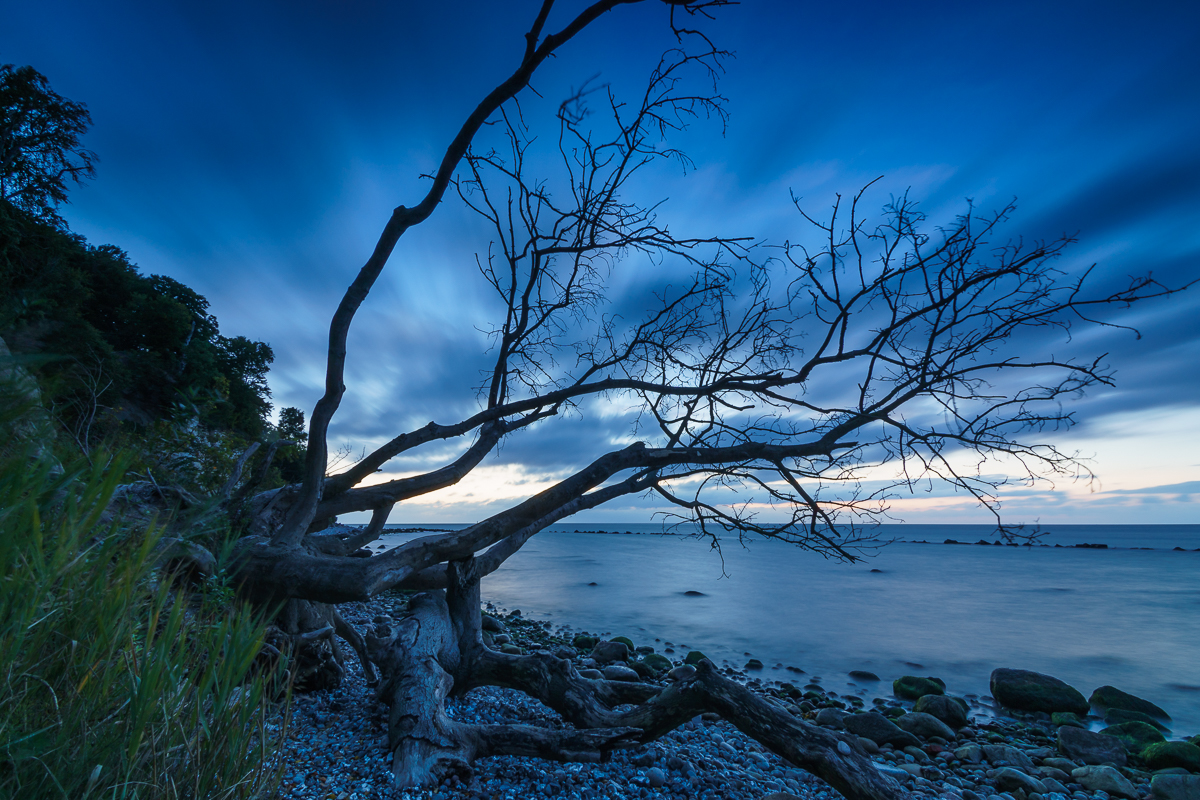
(619, 672)
(863, 675)
(998, 753)
(1055, 773)
(1136, 736)
(604, 652)
(511, 649)
(831, 716)
(490, 623)
(949, 710)
(893, 772)
(1172, 754)
(925, 725)
(584, 642)
(643, 670)
(1065, 764)
(1175, 787)
(694, 657)
(754, 663)
(1100, 778)
(878, 729)
(1008, 779)
(682, 673)
(593, 674)
(1090, 748)
(910, 687)
(1032, 691)
(1053, 785)
(656, 777)
(1110, 697)
(657, 663)
(868, 745)
(969, 753)
(1060, 718)
(625, 640)
(1115, 716)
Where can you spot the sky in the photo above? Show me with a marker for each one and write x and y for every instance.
(254, 150)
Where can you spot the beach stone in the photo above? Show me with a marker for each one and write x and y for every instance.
(995, 753)
(625, 640)
(694, 657)
(682, 673)
(1110, 697)
(1064, 764)
(1054, 772)
(657, 663)
(1175, 787)
(1136, 736)
(1101, 778)
(584, 642)
(490, 623)
(925, 725)
(1032, 691)
(949, 710)
(1054, 785)
(1090, 748)
(969, 753)
(910, 687)
(1115, 716)
(605, 652)
(1172, 754)
(619, 672)
(1060, 718)
(754, 663)
(593, 674)
(831, 716)
(863, 675)
(878, 729)
(656, 777)
(511, 649)
(1009, 779)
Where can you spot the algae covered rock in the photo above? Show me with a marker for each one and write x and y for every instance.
(657, 663)
(1136, 736)
(694, 657)
(1110, 697)
(1162, 755)
(1025, 690)
(950, 710)
(910, 687)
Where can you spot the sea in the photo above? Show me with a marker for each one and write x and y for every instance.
(1126, 614)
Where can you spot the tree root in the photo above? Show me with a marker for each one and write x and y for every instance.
(429, 655)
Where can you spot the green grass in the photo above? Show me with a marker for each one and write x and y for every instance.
(115, 683)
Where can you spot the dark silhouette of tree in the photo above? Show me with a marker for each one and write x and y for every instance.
(40, 151)
(783, 376)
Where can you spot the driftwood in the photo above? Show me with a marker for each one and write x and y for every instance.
(436, 651)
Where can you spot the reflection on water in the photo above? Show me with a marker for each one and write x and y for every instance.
(1126, 617)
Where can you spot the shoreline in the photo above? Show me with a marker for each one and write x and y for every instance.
(337, 747)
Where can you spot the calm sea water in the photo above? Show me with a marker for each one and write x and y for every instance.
(1123, 616)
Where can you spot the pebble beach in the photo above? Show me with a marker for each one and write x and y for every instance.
(336, 748)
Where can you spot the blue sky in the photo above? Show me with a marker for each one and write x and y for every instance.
(254, 150)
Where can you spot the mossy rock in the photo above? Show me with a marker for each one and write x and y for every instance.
(583, 641)
(657, 663)
(1162, 755)
(1136, 736)
(1115, 716)
(624, 640)
(1061, 718)
(891, 712)
(1110, 697)
(644, 670)
(694, 657)
(910, 687)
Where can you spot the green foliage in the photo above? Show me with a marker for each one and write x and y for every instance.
(117, 348)
(290, 460)
(117, 684)
(39, 143)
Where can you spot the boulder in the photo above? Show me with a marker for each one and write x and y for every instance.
(949, 710)
(1175, 787)
(1008, 779)
(1163, 755)
(910, 687)
(1007, 754)
(1100, 778)
(1110, 697)
(1032, 691)
(490, 623)
(1115, 716)
(657, 663)
(925, 725)
(694, 657)
(1136, 736)
(1060, 718)
(831, 716)
(879, 729)
(625, 640)
(863, 675)
(1090, 748)
(584, 642)
(604, 652)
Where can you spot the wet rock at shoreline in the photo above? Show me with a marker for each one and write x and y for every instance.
(950, 710)
(1164, 755)
(607, 651)
(925, 725)
(1136, 736)
(1025, 690)
(1110, 697)
(911, 687)
(1176, 787)
(879, 729)
(1090, 748)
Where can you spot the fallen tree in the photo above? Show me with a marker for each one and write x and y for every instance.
(785, 375)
